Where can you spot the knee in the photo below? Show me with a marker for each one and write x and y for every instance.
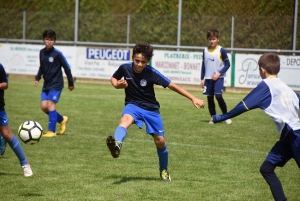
(267, 167)
(159, 141)
(219, 96)
(44, 109)
(6, 133)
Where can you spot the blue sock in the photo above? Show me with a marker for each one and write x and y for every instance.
(17, 148)
(163, 157)
(120, 134)
(59, 118)
(52, 120)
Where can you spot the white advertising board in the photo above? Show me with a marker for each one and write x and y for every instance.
(182, 67)
(24, 59)
(247, 71)
(100, 62)
(20, 59)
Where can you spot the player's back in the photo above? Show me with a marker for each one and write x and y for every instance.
(284, 105)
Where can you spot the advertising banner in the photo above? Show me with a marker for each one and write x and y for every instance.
(24, 59)
(100, 62)
(182, 67)
(247, 71)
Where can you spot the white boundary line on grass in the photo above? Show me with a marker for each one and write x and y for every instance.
(205, 147)
(178, 144)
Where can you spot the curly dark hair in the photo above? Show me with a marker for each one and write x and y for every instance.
(143, 48)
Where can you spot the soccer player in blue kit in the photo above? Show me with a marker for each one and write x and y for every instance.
(281, 103)
(6, 133)
(138, 80)
(51, 61)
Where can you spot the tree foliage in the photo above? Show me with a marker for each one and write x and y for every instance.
(257, 23)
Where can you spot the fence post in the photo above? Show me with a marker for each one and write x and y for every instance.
(76, 22)
(179, 23)
(232, 33)
(295, 25)
(128, 29)
(24, 26)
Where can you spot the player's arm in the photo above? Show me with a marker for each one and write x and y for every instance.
(196, 102)
(239, 109)
(118, 83)
(225, 60)
(259, 97)
(67, 68)
(298, 95)
(39, 74)
(37, 77)
(3, 78)
(202, 72)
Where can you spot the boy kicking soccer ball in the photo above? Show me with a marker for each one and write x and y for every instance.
(141, 105)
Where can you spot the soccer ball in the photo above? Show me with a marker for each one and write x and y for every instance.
(30, 132)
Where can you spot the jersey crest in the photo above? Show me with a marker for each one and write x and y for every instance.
(143, 82)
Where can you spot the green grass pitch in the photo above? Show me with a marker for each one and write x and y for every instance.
(207, 162)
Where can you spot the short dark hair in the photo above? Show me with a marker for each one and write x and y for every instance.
(49, 34)
(212, 32)
(270, 62)
(143, 48)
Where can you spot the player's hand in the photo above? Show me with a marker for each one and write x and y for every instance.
(216, 76)
(201, 83)
(198, 102)
(122, 84)
(71, 88)
(35, 83)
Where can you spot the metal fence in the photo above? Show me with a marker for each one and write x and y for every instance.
(238, 34)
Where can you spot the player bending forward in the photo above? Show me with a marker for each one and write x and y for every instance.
(281, 103)
(141, 105)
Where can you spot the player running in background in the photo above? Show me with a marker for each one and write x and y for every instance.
(281, 103)
(7, 135)
(141, 105)
(214, 66)
(51, 61)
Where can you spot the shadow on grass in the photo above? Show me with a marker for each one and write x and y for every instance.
(127, 179)
(31, 195)
(205, 121)
(5, 173)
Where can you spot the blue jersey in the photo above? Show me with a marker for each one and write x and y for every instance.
(3, 78)
(273, 96)
(51, 62)
(140, 90)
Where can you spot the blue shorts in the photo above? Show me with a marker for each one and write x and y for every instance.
(52, 95)
(212, 87)
(286, 149)
(3, 118)
(153, 121)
